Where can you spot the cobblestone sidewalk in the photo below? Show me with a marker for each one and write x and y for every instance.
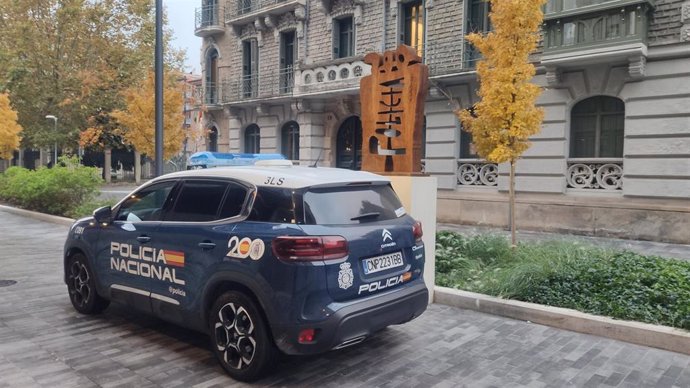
(45, 343)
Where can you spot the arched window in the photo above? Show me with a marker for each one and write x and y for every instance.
(349, 144)
(596, 128)
(213, 140)
(290, 140)
(211, 89)
(252, 139)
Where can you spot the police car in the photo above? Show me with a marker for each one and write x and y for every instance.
(265, 258)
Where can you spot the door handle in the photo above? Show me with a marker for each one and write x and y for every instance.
(207, 245)
(143, 239)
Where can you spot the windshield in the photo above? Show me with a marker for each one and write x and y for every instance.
(351, 205)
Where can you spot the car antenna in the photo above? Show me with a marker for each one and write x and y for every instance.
(317, 159)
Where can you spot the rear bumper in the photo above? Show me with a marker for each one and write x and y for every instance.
(353, 323)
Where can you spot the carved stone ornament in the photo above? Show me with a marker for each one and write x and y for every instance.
(262, 109)
(685, 19)
(299, 106)
(553, 76)
(637, 66)
(392, 104)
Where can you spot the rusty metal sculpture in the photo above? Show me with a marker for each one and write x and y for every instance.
(392, 100)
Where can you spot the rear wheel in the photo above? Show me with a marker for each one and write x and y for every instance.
(82, 286)
(239, 337)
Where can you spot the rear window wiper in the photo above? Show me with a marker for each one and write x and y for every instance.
(365, 215)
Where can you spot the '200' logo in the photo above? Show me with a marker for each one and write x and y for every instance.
(245, 247)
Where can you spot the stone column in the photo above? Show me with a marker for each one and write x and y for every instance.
(107, 153)
(234, 130)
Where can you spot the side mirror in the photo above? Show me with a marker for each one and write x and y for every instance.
(103, 215)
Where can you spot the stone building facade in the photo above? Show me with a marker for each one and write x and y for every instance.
(613, 156)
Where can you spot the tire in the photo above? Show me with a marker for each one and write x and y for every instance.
(82, 286)
(240, 338)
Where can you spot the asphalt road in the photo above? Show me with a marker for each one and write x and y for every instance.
(44, 342)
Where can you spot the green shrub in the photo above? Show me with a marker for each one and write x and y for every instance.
(568, 274)
(58, 190)
(87, 208)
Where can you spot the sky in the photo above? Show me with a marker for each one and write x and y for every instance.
(181, 20)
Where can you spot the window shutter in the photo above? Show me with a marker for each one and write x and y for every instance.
(336, 39)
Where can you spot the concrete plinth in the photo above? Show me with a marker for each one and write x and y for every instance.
(418, 195)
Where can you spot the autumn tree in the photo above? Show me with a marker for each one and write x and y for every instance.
(137, 120)
(72, 59)
(506, 116)
(9, 129)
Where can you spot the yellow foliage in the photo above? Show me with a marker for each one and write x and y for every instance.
(91, 137)
(9, 128)
(506, 115)
(137, 121)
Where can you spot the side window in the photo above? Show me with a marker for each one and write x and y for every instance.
(146, 204)
(198, 201)
(234, 201)
(273, 205)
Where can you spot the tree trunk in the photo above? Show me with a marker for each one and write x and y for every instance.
(512, 204)
(137, 167)
(106, 164)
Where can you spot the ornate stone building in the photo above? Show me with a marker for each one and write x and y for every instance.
(613, 156)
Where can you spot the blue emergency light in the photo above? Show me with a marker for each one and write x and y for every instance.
(208, 159)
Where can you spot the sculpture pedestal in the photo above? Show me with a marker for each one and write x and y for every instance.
(418, 195)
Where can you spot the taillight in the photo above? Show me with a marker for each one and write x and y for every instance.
(417, 231)
(309, 248)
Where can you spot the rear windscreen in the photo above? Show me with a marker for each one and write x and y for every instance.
(351, 205)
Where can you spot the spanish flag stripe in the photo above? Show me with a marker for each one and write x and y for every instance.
(174, 258)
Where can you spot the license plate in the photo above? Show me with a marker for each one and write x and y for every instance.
(382, 263)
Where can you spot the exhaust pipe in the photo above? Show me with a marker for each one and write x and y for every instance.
(350, 342)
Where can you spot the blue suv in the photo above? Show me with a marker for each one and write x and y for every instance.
(264, 258)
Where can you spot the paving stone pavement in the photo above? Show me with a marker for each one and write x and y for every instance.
(45, 343)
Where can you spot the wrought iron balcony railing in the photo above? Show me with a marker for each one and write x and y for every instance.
(209, 20)
(595, 174)
(256, 86)
(210, 94)
(239, 8)
(450, 57)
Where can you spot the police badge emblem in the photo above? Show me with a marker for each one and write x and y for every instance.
(345, 276)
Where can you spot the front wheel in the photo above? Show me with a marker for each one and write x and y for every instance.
(82, 286)
(239, 337)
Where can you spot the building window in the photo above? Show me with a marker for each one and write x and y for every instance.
(597, 126)
(349, 144)
(252, 139)
(211, 89)
(413, 26)
(477, 22)
(250, 68)
(290, 140)
(213, 139)
(343, 37)
(288, 51)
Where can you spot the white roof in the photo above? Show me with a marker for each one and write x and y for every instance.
(292, 177)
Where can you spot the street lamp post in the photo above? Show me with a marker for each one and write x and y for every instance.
(51, 117)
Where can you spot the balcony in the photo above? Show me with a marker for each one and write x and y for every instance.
(331, 76)
(603, 31)
(242, 12)
(211, 95)
(260, 86)
(209, 21)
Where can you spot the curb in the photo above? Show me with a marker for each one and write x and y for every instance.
(661, 337)
(38, 216)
